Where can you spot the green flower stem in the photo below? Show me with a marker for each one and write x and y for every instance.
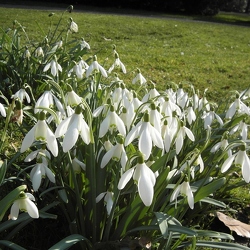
(78, 197)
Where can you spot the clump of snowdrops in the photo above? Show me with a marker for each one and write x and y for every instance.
(120, 159)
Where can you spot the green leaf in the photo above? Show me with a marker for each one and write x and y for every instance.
(6, 202)
(214, 202)
(11, 245)
(68, 242)
(208, 189)
(221, 245)
(214, 234)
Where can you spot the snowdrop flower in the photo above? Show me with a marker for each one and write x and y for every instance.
(184, 189)
(54, 67)
(190, 115)
(40, 132)
(47, 100)
(40, 153)
(203, 102)
(96, 66)
(2, 110)
(237, 105)
(209, 117)
(71, 98)
(243, 128)
(73, 27)
(78, 70)
(84, 44)
(222, 145)
(167, 135)
(112, 122)
(117, 153)
(39, 171)
(148, 136)
(72, 127)
(39, 52)
(128, 115)
(136, 102)
(152, 93)
(139, 78)
(182, 132)
(145, 179)
(24, 204)
(27, 54)
(117, 64)
(155, 117)
(108, 199)
(240, 158)
(78, 165)
(21, 95)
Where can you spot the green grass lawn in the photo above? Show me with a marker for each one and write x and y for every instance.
(207, 54)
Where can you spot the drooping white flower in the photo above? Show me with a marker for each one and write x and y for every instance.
(117, 64)
(21, 95)
(108, 199)
(139, 78)
(238, 106)
(222, 145)
(203, 102)
(190, 115)
(72, 127)
(145, 179)
(40, 153)
(84, 44)
(71, 98)
(78, 70)
(184, 189)
(2, 110)
(27, 54)
(54, 67)
(182, 132)
(209, 118)
(47, 100)
(40, 132)
(243, 128)
(148, 136)
(117, 153)
(39, 52)
(112, 122)
(24, 204)
(73, 27)
(167, 135)
(39, 171)
(96, 66)
(240, 158)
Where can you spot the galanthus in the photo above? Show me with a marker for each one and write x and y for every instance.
(241, 159)
(73, 27)
(182, 132)
(203, 102)
(41, 153)
(95, 66)
(151, 94)
(78, 165)
(71, 98)
(40, 132)
(167, 135)
(72, 127)
(39, 171)
(155, 117)
(139, 78)
(47, 100)
(209, 117)
(108, 199)
(25, 204)
(190, 115)
(39, 52)
(112, 122)
(27, 54)
(237, 106)
(78, 70)
(54, 67)
(185, 190)
(242, 127)
(117, 153)
(128, 115)
(148, 136)
(21, 95)
(2, 110)
(145, 179)
(117, 64)
(84, 44)
(223, 144)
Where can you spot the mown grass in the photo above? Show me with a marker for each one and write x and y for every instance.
(207, 54)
